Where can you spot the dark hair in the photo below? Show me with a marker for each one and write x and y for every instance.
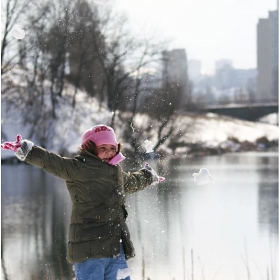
(92, 148)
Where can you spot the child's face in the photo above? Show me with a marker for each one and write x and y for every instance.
(106, 152)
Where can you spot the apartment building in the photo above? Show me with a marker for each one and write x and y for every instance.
(175, 71)
(267, 57)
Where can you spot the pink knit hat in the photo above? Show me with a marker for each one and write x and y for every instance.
(100, 134)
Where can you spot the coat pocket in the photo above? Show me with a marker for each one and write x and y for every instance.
(94, 214)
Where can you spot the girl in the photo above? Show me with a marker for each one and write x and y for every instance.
(99, 240)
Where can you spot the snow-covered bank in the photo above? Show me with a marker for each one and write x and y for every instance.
(200, 134)
(212, 127)
(214, 134)
(190, 132)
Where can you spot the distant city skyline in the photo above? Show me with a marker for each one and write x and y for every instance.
(208, 30)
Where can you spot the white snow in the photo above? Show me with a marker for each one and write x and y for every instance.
(271, 119)
(203, 177)
(18, 33)
(212, 127)
(123, 273)
(148, 146)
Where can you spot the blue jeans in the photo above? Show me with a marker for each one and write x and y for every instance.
(100, 269)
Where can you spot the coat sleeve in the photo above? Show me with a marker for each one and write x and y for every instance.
(62, 167)
(137, 181)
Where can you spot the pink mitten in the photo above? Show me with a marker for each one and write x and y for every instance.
(12, 146)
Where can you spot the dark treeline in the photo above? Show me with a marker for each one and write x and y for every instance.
(93, 49)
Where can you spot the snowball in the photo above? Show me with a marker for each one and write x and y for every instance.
(101, 2)
(18, 33)
(148, 146)
(203, 177)
(123, 273)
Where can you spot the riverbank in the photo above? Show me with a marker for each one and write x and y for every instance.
(192, 134)
(232, 146)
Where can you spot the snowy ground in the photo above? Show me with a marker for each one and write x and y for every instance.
(213, 128)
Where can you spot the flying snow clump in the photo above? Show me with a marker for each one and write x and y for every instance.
(18, 33)
(148, 146)
(203, 177)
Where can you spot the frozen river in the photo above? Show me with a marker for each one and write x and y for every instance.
(225, 230)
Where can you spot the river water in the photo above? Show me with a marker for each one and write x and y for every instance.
(225, 230)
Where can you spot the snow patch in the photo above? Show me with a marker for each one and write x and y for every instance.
(123, 273)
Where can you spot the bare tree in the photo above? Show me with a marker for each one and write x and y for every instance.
(99, 45)
(84, 65)
(123, 59)
(113, 55)
(13, 12)
(57, 47)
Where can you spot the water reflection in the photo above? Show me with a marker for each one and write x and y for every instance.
(267, 194)
(213, 231)
(35, 214)
(180, 230)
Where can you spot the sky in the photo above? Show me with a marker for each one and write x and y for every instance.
(209, 30)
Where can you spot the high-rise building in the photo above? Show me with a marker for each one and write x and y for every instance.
(224, 74)
(175, 71)
(194, 69)
(267, 57)
(223, 63)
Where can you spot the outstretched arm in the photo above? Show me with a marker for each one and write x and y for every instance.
(54, 164)
(141, 179)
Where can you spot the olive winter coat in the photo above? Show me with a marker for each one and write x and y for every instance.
(97, 190)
